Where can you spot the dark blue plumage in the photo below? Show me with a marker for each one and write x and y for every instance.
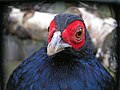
(40, 72)
(66, 70)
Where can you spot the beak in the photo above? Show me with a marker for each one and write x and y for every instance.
(57, 44)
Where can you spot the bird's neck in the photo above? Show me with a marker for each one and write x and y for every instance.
(85, 53)
(71, 56)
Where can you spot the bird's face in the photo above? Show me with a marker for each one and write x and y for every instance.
(72, 36)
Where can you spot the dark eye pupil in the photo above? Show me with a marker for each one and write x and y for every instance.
(79, 33)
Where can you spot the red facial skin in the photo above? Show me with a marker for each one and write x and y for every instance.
(51, 30)
(69, 34)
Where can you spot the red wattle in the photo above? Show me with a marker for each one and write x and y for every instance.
(51, 30)
(68, 34)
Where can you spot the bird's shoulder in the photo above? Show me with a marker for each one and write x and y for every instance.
(27, 69)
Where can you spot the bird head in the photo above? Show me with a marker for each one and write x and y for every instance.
(66, 30)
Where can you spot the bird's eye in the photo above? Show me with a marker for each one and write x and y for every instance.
(79, 33)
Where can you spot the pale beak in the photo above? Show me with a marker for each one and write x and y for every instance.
(57, 44)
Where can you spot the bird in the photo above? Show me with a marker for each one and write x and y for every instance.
(66, 62)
